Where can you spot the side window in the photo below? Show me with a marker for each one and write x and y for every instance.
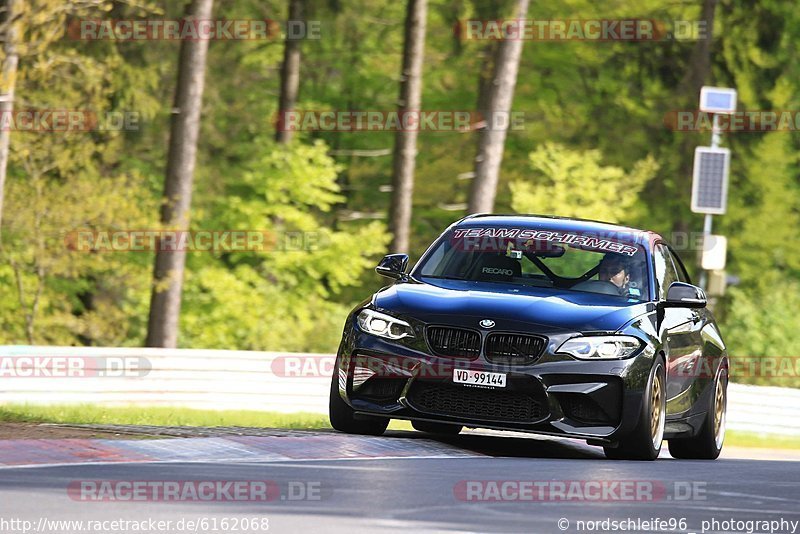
(665, 270)
(683, 276)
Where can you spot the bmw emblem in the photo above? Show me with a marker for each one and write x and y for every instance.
(487, 323)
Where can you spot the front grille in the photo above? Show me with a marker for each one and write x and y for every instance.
(454, 342)
(443, 398)
(514, 348)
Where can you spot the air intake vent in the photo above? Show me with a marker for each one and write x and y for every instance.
(476, 403)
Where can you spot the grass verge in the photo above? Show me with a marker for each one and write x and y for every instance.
(157, 415)
(735, 438)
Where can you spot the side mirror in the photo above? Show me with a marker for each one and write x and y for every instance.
(393, 266)
(682, 295)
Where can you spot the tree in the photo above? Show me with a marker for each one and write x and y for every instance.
(65, 181)
(697, 74)
(493, 136)
(405, 147)
(165, 300)
(285, 296)
(8, 79)
(486, 10)
(699, 67)
(290, 73)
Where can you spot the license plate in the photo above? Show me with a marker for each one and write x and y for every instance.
(479, 378)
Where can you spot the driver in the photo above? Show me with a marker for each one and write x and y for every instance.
(615, 269)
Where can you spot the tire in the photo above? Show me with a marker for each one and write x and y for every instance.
(442, 429)
(707, 444)
(343, 417)
(644, 443)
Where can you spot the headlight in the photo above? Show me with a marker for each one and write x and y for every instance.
(383, 325)
(600, 347)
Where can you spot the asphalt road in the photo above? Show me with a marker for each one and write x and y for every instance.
(430, 493)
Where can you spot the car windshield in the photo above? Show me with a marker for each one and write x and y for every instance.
(609, 264)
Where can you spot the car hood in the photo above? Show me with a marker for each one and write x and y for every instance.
(460, 302)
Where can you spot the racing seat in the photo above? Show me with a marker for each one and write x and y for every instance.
(497, 268)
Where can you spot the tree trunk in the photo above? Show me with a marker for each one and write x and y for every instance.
(165, 301)
(405, 147)
(486, 76)
(697, 74)
(700, 60)
(493, 136)
(8, 72)
(290, 75)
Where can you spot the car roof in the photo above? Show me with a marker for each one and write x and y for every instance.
(563, 224)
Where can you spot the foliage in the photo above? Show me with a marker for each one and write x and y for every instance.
(594, 144)
(279, 299)
(764, 216)
(757, 326)
(60, 182)
(571, 183)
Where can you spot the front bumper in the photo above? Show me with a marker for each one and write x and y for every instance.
(556, 394)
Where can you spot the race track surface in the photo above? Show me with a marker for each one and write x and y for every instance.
(405, 481)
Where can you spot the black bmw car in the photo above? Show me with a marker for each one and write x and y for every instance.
(539, 324)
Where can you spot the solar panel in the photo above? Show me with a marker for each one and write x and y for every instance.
(710, 180)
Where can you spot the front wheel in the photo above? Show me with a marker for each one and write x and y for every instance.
(644, 443)
(343, 417)
(707, 444)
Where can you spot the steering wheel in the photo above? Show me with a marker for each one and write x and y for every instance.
(609, 285)
(603, 287)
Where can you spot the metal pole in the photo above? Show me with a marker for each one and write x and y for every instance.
(706, 232)
(715, 132)
(715, 138)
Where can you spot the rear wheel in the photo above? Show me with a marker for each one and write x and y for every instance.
(436, 428)
(707, 444)
(344, 419)
(644, 443)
